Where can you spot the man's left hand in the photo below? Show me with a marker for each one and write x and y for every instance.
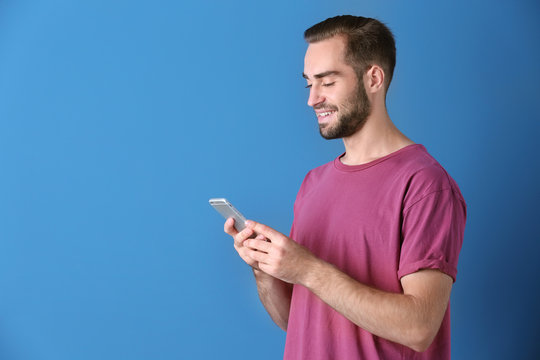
(280, 257)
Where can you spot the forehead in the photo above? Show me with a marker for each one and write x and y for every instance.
(325, 55)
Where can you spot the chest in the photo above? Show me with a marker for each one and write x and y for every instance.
(353, 222)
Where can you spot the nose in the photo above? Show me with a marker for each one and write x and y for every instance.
(315, 96)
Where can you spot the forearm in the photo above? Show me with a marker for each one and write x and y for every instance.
(401, 318)
(275, 296)
(411, 318)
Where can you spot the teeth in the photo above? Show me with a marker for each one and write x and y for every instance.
(325, 113)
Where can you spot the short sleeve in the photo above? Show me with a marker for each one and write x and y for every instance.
(432, 231)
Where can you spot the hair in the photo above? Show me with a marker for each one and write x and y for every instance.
(368, 42)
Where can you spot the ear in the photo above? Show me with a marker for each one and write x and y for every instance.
(374, 79)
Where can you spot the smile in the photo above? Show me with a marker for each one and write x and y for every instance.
(325, 113)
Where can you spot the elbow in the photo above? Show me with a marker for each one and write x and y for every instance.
(281, 322)
(420, 346)
(282, 325)
(421, 339)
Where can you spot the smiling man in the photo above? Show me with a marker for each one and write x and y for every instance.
(372, 255)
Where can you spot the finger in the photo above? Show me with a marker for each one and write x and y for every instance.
(260, 237)
(229, 228)
(248, 260)
(263, 229)
(258, 256)
(242, 236)
(260, 245)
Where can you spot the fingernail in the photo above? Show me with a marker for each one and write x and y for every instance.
(249, 223)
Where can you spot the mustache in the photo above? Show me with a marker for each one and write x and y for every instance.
(325, 106)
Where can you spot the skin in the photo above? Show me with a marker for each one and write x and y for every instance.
(352, 112)
(411, 318)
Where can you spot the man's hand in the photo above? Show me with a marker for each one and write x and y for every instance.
(411, 318)
(279, 257)
(274, 293)
(239, 238)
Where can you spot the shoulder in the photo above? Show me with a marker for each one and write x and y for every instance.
(426, 176)
(313, 178)
(317, 173)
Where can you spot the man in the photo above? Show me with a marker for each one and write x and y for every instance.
(371, 259)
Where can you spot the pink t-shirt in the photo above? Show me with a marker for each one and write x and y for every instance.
(377, 222)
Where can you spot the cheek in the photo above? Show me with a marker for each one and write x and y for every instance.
(348, 103)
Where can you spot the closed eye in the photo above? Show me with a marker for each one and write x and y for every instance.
(308, 86)
(329, 84)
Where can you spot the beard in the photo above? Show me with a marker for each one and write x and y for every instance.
(352, 115)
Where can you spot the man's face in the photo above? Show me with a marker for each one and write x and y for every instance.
(337, 96)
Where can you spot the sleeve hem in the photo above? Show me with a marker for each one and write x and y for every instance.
(437, 264)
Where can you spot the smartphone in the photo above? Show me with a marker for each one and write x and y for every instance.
(227, 210)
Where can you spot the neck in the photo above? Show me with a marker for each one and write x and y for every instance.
(377, 138)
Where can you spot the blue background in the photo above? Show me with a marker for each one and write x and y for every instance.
(119, 119)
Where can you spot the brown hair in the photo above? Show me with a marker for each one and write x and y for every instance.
(368, 42)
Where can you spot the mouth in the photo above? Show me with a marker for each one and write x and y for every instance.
(323, 116)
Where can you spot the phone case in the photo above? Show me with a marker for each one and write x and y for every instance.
(227, 210)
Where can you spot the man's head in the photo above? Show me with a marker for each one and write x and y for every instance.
(342, 51)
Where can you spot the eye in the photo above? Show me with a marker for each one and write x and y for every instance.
(329, 84)
(308, 86)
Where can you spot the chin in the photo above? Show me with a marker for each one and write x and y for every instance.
(328, 133)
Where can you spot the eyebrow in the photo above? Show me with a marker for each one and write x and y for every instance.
(321, 75)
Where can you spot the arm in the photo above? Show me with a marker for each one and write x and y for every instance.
(412, 318)
(275, 294)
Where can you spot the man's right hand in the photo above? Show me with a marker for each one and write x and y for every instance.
(239, 238)
(274, 293)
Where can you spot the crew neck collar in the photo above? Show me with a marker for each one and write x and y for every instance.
(342, 167)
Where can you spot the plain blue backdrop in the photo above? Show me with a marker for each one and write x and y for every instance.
(120, 119)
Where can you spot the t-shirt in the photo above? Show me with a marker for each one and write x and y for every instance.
(376, 222)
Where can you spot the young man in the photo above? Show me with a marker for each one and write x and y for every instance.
(369, 266)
